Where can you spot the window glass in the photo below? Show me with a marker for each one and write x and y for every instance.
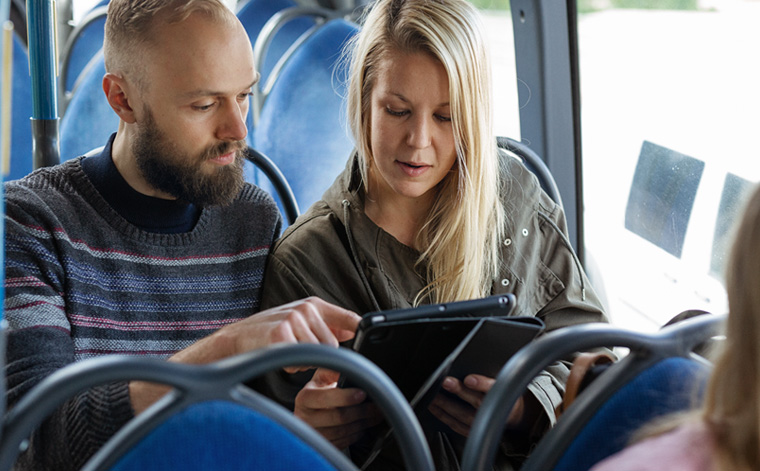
(662, 196)
(497, 20)
(735, 191)
(684, 75)
(80, 8)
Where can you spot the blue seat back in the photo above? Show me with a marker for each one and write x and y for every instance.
(215, 435)
(254, 14)
(83, 44)
(661, 374)
(671, 385)
(21, 113)
(302, 127)
(89, 120)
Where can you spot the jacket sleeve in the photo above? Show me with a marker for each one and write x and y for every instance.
(281, 284)
(311, 259)
(39, 343)
(286, 279)
(541, 268)
(575, 302)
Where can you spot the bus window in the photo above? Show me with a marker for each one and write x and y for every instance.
(497, 20)
(682, 74)
(735, 191)
(662, 196)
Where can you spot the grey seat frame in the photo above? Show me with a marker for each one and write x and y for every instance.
(270, 169)
(216, 381)
(646, 349)
(92, 16)
(271, 27)
(534, 163)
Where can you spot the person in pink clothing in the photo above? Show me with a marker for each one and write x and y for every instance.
(724, 433)
(689, 447)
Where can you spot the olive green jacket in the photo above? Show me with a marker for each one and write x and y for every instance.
(334, 251)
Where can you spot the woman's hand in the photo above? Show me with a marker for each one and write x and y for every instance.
(340, 415)
(459, 412)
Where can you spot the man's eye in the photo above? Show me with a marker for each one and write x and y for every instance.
(203, 107)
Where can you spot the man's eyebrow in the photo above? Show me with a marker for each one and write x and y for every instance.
(209, 92)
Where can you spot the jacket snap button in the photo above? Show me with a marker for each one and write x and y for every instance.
(508, 242)
(505, 282)
(525, 232)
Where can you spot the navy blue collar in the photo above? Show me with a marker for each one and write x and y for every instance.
(148, 213)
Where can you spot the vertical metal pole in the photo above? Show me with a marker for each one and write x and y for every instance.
(43, 60)
(6, 97)
(6, 46)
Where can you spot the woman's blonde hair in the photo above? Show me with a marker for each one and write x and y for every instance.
(460, 238)
(732, 401)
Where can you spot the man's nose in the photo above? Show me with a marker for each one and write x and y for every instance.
(232, 125)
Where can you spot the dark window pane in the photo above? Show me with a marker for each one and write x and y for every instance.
(662, 196)
(735, 190)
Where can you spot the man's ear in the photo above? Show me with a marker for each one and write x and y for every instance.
(116, 94)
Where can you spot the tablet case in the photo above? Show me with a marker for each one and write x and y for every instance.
(410, 344)
(419, 347)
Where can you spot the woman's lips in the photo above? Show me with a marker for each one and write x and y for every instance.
(412, 169)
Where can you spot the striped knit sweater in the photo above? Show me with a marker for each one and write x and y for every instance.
(81, 281)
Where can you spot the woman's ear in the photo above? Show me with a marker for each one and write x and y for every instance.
(116, 94)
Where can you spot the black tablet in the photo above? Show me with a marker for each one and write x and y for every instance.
(418, 347)
(377, 323)
(411, 344)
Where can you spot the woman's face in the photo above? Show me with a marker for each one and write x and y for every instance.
(412, 138)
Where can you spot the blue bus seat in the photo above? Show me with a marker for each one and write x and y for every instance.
(661, 374)
(671, 385)
(190, 421)
(229, 430)
(21, 113)
(279, 38)
(84, 43)
(89, 120)
(302, 123)
(254, 14)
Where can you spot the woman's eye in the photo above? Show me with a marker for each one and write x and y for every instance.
(443, 118)
(393, 112)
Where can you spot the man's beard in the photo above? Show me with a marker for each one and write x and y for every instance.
(180, 175)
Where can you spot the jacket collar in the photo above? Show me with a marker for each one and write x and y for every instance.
(373, 249)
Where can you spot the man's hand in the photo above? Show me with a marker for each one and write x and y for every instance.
(459, 413)
(306, 321)
(310, 320)
(340, 415)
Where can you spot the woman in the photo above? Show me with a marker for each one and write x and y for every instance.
(724, 434)
(428, 211)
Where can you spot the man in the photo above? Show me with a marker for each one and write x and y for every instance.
(156, 246)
